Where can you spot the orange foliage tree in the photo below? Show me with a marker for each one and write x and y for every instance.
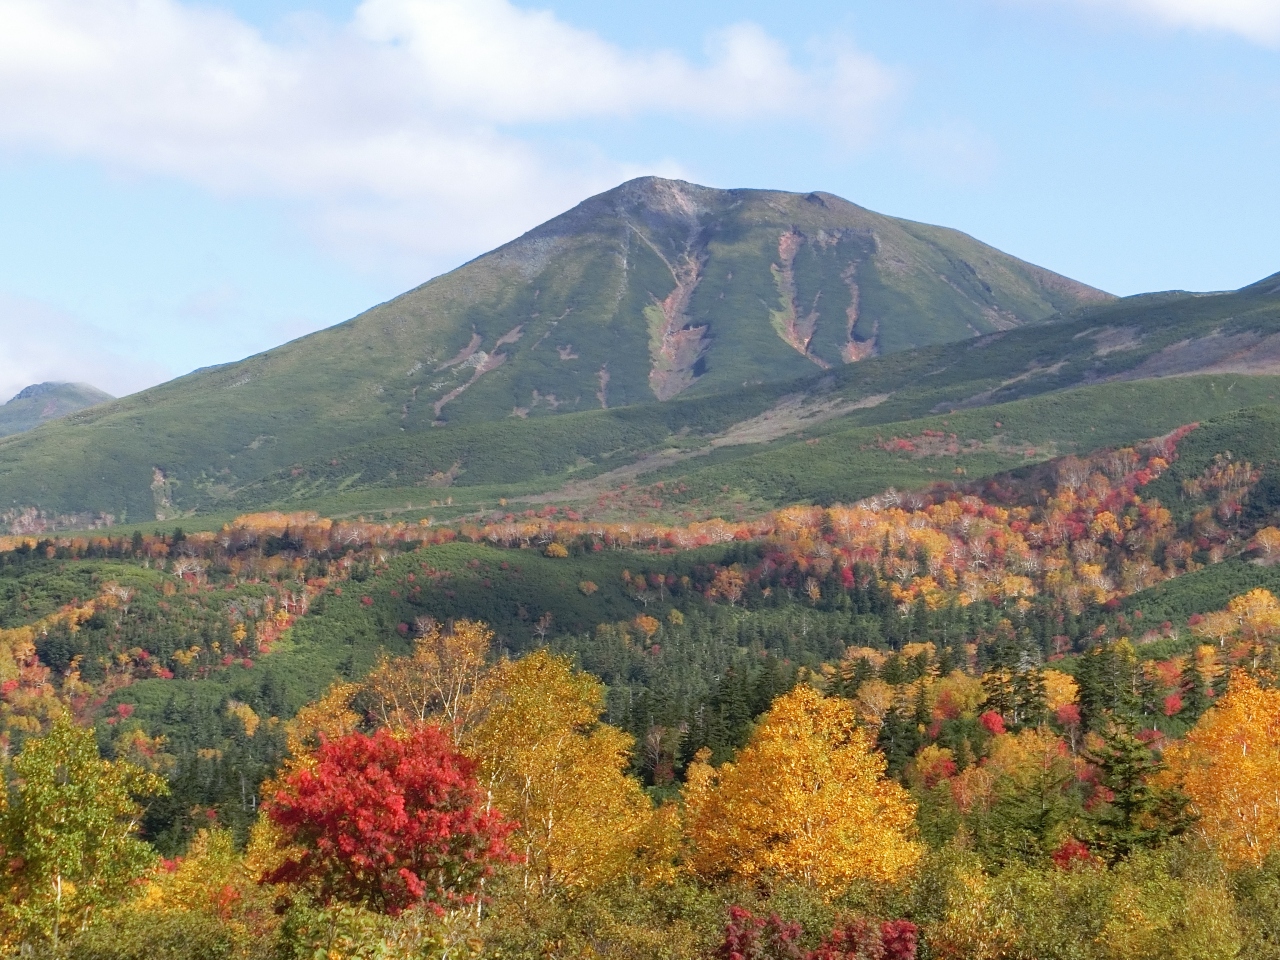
(1229, 765)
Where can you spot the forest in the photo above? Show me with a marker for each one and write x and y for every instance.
(1032, 716)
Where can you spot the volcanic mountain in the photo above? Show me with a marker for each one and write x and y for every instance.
(652, 291)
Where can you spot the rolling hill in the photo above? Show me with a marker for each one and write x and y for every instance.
(655, 291)
(41, 402)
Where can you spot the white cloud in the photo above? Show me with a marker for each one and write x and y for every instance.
(405, 131)
(41, 344)
(488, 58)
(1255, 20)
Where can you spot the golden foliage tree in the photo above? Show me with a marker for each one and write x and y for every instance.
(551, 765)
(437, 680)
(328, 718)
(1229, 765)
(806, 801)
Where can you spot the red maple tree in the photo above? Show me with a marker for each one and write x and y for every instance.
(389, 822)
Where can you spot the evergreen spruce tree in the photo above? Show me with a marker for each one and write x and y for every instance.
(920, 620)
(1195, 695)
(947, 660)
(1138, 815)
(922, 716)
(898, 740)
(1220, 683)
(1150, 701)
(1029, 697)
(862, 672)
(892, 671)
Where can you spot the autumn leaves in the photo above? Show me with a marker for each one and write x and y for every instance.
(388, 822)
(1229, 766)
(806, 802)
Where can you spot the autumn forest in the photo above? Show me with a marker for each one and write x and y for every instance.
(1029, 716)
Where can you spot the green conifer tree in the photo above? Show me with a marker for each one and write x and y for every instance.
(1138, 815)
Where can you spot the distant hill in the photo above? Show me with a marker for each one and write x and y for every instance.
(41, 402)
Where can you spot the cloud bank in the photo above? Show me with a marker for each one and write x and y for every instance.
(430, 128)
(1255, 20)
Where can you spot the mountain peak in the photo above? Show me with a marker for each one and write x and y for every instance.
(62, 388)
(35, 404)
(38, 389)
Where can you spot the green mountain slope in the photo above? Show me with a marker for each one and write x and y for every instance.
(1227, 338)
(654, 290)
(141, 460)
(209, 443)
(41, 402)
(838, 460)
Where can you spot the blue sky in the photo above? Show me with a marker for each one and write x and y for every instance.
(185, 184)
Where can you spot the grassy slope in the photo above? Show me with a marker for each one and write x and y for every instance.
(831, 462)
(1106, 345)
(578, 288)
(846, 465)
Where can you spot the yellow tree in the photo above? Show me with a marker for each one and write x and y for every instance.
(214, 880)
(437, 680)
(330, 717)
(1229, 765)
(1268, 541)
(1253, 617)
(806, 801)
(552, 766)
(1257, 615)
(1060, 689)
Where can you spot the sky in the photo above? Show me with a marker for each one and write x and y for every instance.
(184, 184)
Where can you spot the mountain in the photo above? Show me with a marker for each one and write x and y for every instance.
(656, 290)
(1109, 375)
(47, 401)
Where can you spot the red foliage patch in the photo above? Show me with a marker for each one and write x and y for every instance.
(389, 822)
(992, 722)
(1071, 853)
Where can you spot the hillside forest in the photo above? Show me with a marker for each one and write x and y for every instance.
(1035, 715)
